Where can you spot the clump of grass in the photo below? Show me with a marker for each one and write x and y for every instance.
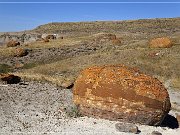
(29, 65)
(4, 68)
(73, 112)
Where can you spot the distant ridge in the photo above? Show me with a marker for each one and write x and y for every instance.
(158, 25)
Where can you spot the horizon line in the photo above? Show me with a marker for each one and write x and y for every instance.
(88, 2)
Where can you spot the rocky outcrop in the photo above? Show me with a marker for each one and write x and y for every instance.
(10, 78)
(22, 38)
(163, 42)
(120, 93)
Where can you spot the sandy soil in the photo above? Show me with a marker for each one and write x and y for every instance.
(39, 108)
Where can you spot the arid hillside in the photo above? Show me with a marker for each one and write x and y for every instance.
(143, 26)
(45, 63)
(83, 44)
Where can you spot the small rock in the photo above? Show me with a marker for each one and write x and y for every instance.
(178, 118)
(127, 127)
(156, 133)
(67, 84)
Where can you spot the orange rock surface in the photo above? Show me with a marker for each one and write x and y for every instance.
(20, 52)
(163, 42)
(117, 92)
(13, 43)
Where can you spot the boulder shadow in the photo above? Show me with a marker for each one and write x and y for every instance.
(170, 122)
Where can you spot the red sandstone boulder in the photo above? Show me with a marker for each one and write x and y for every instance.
(13, 43)
(20, 52)
(10, 78)
(163, 42)
(120, 93)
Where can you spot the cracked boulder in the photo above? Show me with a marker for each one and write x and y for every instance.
(120, 93)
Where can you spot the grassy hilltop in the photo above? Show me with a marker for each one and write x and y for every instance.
(60, 61)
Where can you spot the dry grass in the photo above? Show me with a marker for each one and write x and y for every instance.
(166, 65)
(7, 52)
(54, 43)
(134, 51)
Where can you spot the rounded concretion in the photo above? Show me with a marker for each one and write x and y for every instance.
(163, 42)
(117, 92)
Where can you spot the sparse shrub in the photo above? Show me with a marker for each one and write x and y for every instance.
(29, 65)
(73, 111)
(4, 68)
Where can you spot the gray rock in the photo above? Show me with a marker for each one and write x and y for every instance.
(127, 127)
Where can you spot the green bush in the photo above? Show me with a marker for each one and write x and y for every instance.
(4, 68)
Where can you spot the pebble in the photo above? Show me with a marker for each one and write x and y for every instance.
(127, 127)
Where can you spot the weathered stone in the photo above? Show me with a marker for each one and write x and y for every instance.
(67, 84)
(10, 78)
(50, 37)
(20, 52)
(156, 133)
(127, 127)
(117, 92)
(163, 42)
(13, 43)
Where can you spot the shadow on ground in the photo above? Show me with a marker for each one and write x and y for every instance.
(170, 122)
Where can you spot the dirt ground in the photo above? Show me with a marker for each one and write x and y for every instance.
(42, 108)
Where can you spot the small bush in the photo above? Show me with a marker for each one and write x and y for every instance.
(4, 68)
(29, 65)
(73, 112)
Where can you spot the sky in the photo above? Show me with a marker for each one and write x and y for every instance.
(25, 16)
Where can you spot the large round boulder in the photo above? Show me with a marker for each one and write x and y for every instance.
(20, 52)
(163, 42)
(12, 43)
(117, 92)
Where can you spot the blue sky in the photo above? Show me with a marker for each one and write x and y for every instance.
(17, 17)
